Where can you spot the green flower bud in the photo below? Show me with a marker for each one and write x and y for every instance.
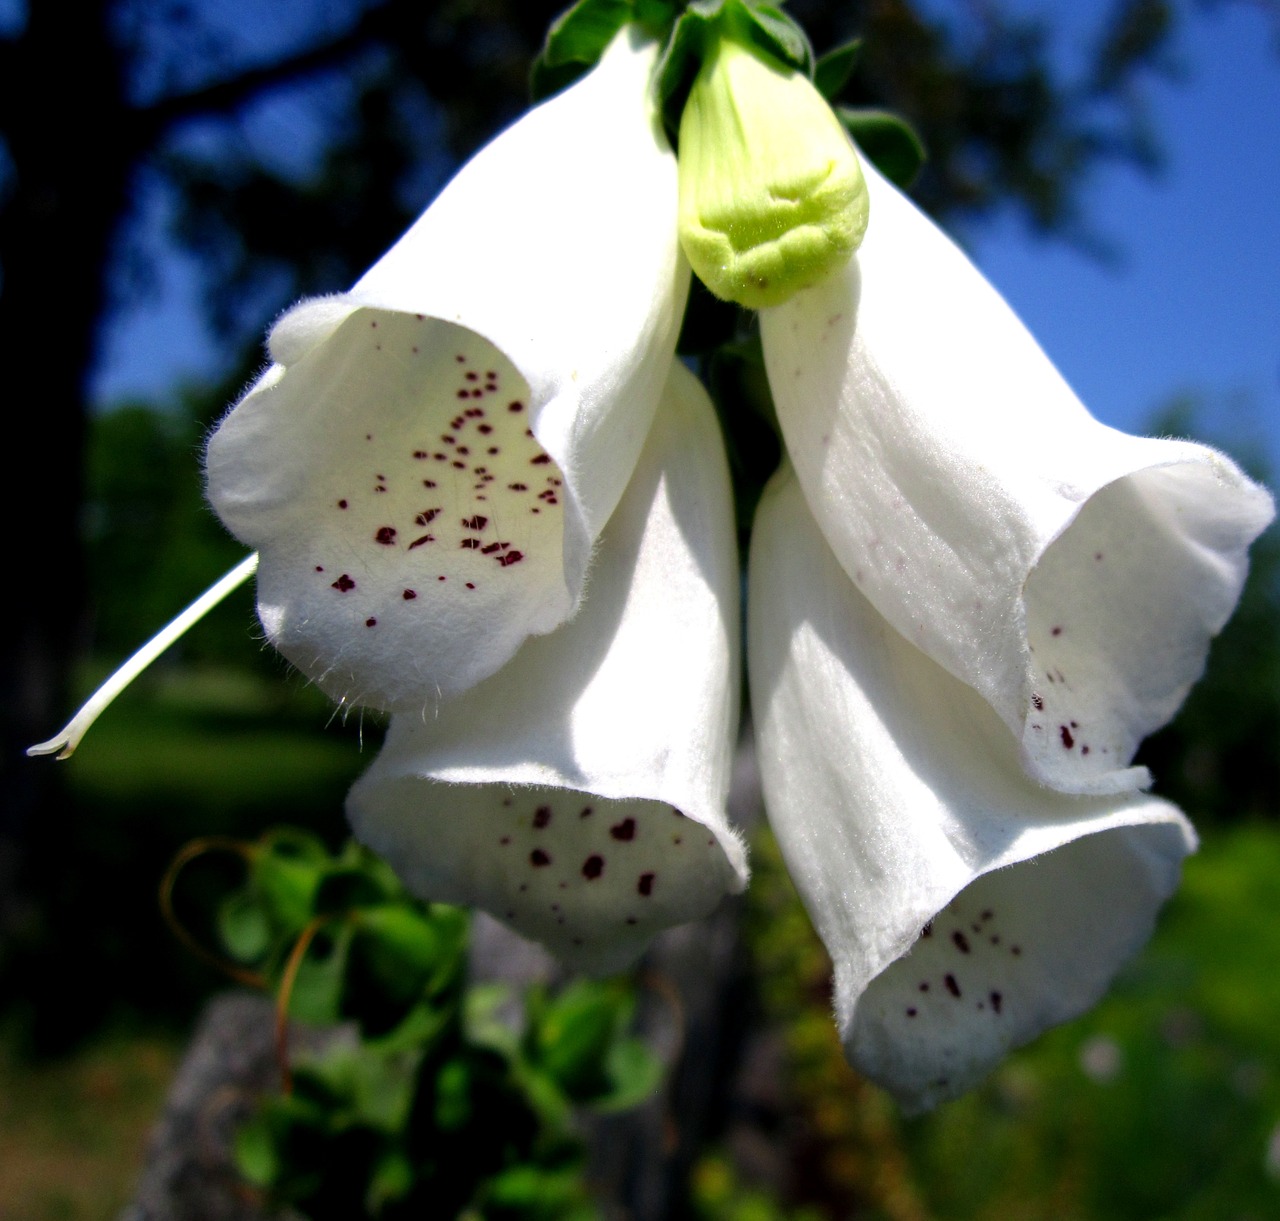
(772, 198)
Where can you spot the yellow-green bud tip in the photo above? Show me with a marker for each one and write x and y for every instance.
(772, 198)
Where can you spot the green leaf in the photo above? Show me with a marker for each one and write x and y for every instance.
(255, 1151)
(453, 1107)
(575, 42)
(832, 71)
(575, 1035)
(634, 1073)
(888, 141)
(392, 1179)
(243, 927)
(287, 881)
(317, 986)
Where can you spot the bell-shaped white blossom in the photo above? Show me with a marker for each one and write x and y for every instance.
(427, 465)
(579, 794)
(966, 908)
(1069, 573)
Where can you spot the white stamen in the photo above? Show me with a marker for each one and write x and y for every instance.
(64, 743)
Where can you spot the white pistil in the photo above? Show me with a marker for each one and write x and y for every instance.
(64, 743)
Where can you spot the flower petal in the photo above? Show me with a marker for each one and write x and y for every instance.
(899, 803)
(1071, 574)
(500, 365)
(578, 795)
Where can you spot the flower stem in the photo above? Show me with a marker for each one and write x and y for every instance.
(64, 743)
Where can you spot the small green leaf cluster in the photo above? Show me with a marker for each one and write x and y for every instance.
(429, 1096)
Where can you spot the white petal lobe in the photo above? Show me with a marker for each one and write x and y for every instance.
(537, 301)
(900, 805)
(578, 795)
(967, 492)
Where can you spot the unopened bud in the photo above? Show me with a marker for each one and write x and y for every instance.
(772, 198)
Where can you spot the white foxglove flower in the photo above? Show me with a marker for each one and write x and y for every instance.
(1070, 574)
(966, 907)
(578, 795)
(427, 465)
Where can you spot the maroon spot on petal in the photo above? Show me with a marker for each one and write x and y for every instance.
(442, 578)
(470, 544)
(463, 394)
(511, 557)
(319, 567)
(518, 487)
(428, 483)
(1084, 750)
(506, 839)
(484, 429)
(538, 858)
(541, 817)
(625, 830)
(472, 375)
(952, 986)
(373, 326)
(1038, 703)
(491, 548)
(409, 595)
(458, 466)
(462, 360)
(343, 584)
(517, 406)
(593, 867)
(960, 941)
(540, 460)
(475, 523)
(427, 516)
(470, 585)
(924, 987)
(586, 812)
(1065, 734)
(342, 504)
(631, 920)
(996, 1001)
(995, 939)
(371, 622)
(644, 884)
(420, 454)
(425, 538)
(386, 535)
(1057, 631)
(927, 931)
(911, 1012)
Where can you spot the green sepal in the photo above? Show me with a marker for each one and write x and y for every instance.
(578, 38)
(772, 31)
(834, 68)
(888, 141)
(762, 26)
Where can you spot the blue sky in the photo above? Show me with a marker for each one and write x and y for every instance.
(1193, 305)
